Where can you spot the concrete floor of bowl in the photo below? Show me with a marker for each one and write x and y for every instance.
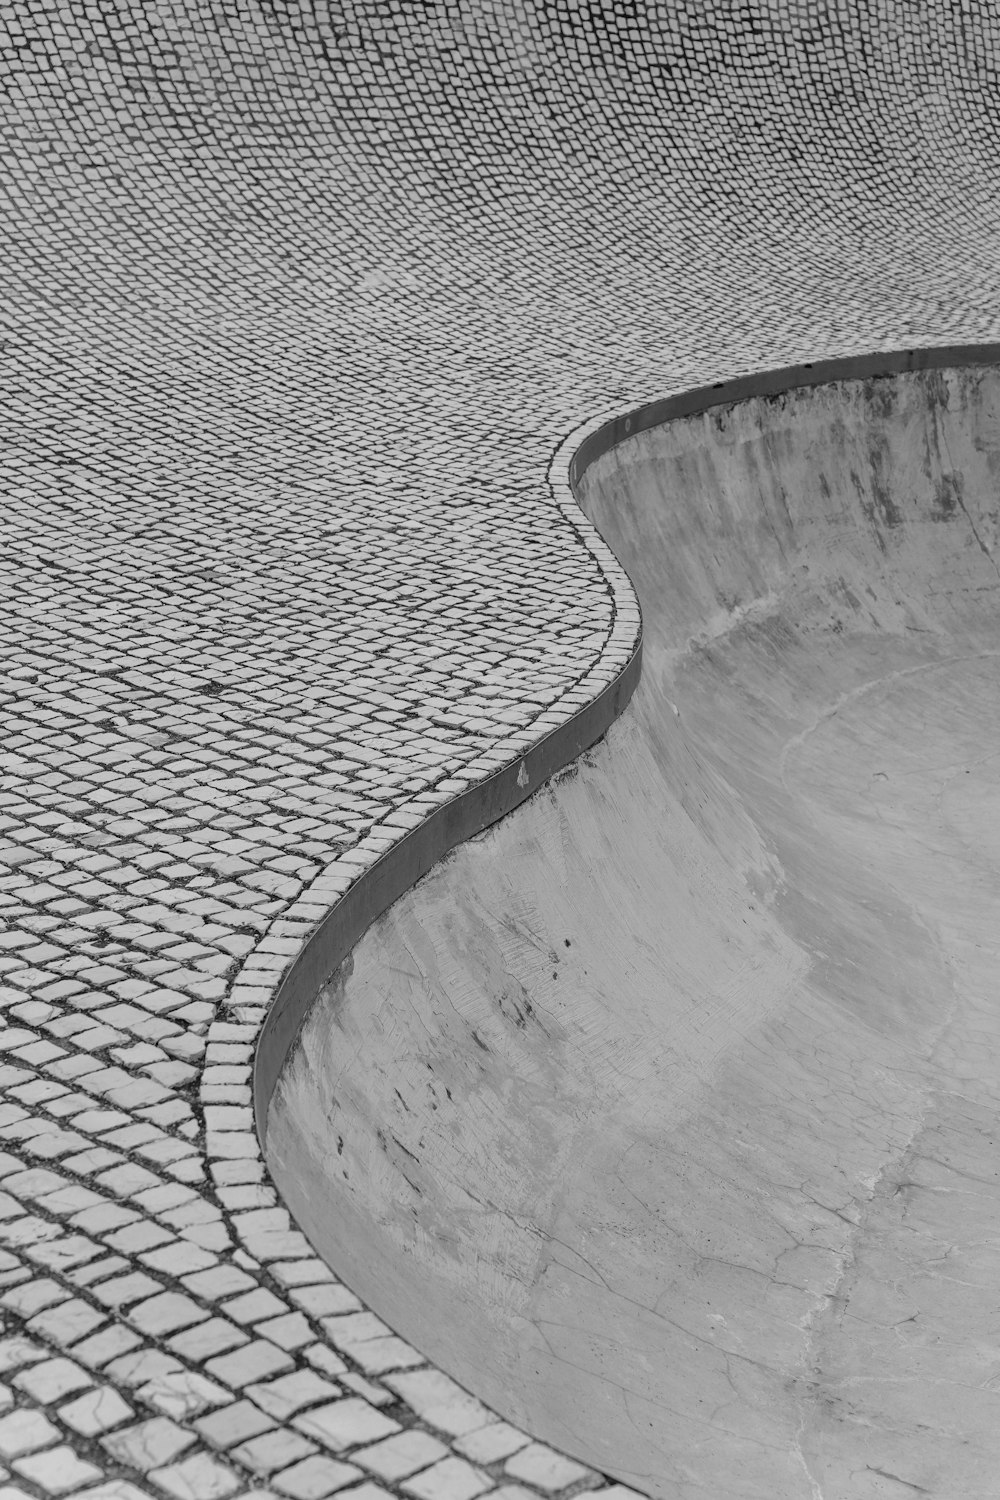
(663, 1115)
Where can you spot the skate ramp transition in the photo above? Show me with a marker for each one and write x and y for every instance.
(663, 1114)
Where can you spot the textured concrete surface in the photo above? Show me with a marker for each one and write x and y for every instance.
(298, 301)
(664, 1114)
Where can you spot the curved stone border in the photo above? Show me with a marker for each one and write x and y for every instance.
(403, 865)
(484, 803)
(467, 813)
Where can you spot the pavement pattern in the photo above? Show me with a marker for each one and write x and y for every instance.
(299, 300)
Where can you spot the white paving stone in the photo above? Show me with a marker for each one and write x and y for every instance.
(96, 1411)
(25, 1431)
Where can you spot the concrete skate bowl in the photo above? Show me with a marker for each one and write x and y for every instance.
(665, 1115)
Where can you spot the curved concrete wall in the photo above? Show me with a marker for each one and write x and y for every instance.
(652, 1113)
(484, 803)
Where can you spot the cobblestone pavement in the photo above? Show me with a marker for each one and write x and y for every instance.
(299, 300)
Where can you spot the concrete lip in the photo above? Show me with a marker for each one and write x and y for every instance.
(663, 1113)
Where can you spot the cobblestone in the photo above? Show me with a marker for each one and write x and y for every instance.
(452, 1478)
(57, 1470)
(398, 1457)
(25, 1431)
(345, 1423)
(539, 1466)
(148, 1444)
(51, 1379)
(95, 1412)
